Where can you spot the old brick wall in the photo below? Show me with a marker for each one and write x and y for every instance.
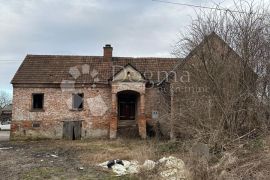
(151, 102)
(57, 108)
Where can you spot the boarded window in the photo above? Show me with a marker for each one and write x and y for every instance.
(77, 101)
(38, 101)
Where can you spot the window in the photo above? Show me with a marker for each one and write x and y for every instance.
(38, 100)
(77, 101)
(36, 124)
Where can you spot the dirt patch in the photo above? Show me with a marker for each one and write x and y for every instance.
(47, 160)
(70, 159)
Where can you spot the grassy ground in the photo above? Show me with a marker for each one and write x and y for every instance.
(34, 160)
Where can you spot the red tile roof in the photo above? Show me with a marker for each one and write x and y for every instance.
(53, 69)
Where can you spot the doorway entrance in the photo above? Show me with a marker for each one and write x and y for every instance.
(72, 130)
(128, 107)
(127, 113)
(127, 103)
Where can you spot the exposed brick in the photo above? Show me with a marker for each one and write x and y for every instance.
(56, 110)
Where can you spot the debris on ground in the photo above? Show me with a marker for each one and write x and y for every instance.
(148, 165)
(81, 168)
(53, 155)
(171, 168)
(168, 167)
(113, 162)
(121, 167)
(133, 167)
(5, 148)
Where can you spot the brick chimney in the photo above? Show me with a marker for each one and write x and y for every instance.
(107, 56)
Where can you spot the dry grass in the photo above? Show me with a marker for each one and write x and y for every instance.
(245, 159)
(103, 150)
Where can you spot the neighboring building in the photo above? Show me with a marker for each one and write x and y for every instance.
(77, 97)
(6, 113)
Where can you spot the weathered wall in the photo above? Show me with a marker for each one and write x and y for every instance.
(152, 99)
(57, 108)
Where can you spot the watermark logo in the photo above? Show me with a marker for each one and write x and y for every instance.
(96, 105)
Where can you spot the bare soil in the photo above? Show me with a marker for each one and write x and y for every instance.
(49, 160)
(59, 159)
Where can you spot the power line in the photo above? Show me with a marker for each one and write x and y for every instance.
(9, 60)
(198, 6)
(3, 61)
(7, 63)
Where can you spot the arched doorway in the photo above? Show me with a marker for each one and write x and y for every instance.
(127, 108)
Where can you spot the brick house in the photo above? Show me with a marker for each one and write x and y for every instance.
(85, 96)
(76, 97)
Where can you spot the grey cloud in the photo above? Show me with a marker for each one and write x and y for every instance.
(133, 27)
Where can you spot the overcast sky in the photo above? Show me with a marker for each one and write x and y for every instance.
(83, 27)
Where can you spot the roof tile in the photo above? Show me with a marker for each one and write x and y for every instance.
(42, 69)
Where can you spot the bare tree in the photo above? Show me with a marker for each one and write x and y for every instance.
(5, 99)
(247, 32)
(235, 103)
